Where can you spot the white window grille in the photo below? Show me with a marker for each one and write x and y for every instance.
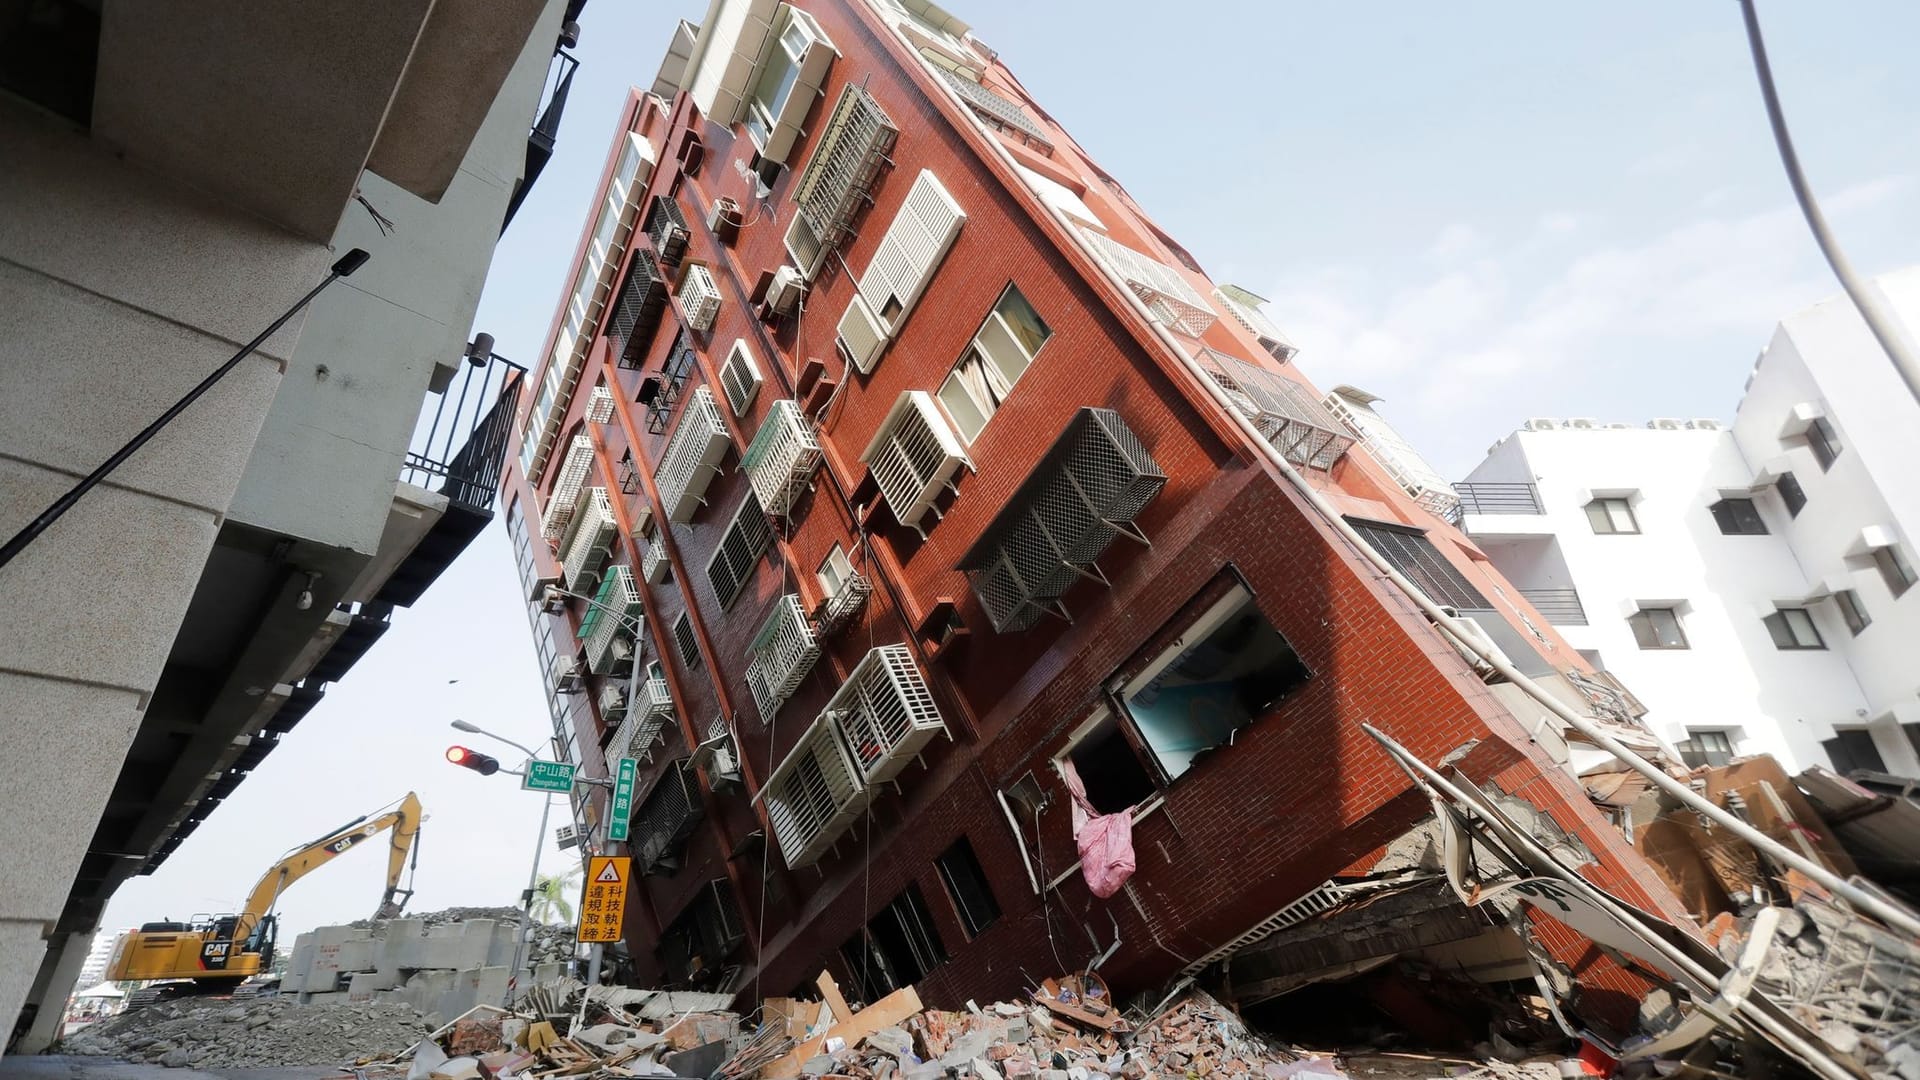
(600, 405)
(654, 566)
(860, 335)
(1172, 300)
(566, 488)
(1245, 309)
(610, 618)
(834, 184)
(647, 716)
(692, 458)
(781, 460)
(699, 297)
(738, 553)
(740, 377)
(781, 655)
(591, 540)
(915, 242)
(1395, 454)
(655, 700)
(846, 590)
(813, 795)
(885, 713)
(913, 455)
(1284, 411)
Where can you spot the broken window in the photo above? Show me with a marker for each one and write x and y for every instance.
(898, 948)
(967, 885)
(1854, 749)
(1228, 669)
(1108, 768)
(1706, 748)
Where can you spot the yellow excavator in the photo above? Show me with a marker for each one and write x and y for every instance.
(216, 952)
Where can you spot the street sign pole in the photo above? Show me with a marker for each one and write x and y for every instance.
(620, 808)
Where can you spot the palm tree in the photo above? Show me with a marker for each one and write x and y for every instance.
(551, 896)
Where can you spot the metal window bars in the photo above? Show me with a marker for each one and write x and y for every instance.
(611, 621)
(479, 423)
(590, 540)
(840, 175)
(670, 383)
(813, 795)
(1499, 498)
(999, 112)
(600, 405)
(1085, 491)
(913, 456)
(666, 229)
(565, 495)
(1245, 309)
(1284, 411)
(885, 713)
(781, 460)
(738, 552)
(843, 605)
(642, 298)
(1170, 297)
(692, 457)
(666, 818)
(1427, 488)
(782, 653)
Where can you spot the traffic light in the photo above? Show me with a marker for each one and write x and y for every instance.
(473, 759)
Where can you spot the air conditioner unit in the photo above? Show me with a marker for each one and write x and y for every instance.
(1702, 423)
(699, 297)
(566, 675)
(861, 335)
(552, 600)
(1543, 423)
(723, 218)
(784, 294)
(1666, 423)
(1619, 427)
(614, 697)
(1583, 423)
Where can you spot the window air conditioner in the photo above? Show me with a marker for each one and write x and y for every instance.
(861, 335)
(1583, 423)
(784, 294)
(1666, 423)
(1543, 423)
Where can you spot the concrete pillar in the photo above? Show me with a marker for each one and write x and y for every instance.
(60, 968)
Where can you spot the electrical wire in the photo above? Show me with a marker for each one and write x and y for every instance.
(1046, 886)
(1881, 321)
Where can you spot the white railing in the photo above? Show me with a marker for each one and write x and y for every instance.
(600, 405)
(782, 458)
(813, 795)
(781, 655)
(655, 699)
(1171, 298)
(1427, 487)
(615, 614)
(841, 607)
(589, 546)
(693, 455)
(566, 488)
(885, 713)
(653, 561)
(913, 455)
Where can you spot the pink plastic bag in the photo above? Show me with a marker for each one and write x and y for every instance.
(1105, 840)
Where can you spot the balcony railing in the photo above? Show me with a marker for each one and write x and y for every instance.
(842, 606)
(781, 655)
(546, 128)
(782, 458)
(1504, 498)
(1293, 420)
(997, 111)
(1561, 606)
(460, 449)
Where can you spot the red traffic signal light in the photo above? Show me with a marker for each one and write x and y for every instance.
(473, 759)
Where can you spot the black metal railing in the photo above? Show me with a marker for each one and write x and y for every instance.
(1561, 606)
(559, 83)
(1499, 499)
(460, 448)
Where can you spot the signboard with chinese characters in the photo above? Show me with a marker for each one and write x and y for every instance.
(604, 904)
(621, 812)
(553, 776)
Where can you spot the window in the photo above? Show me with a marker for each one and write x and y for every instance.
(734, 561)
(740, 377)
(1894, 569)
(1107, 766)
(1852, 610)
(684, 642)
(1854, 749)
(1420, 562)
(1706, 748)
(1824, 441)
(1658, 628)
(993, 362)
(1738, 517)
(1792, 628)
(897, 949)
(1790, 494)
(779, 76)
(1612, 516)
(835, 571)
(967, 886)
(1227, 670)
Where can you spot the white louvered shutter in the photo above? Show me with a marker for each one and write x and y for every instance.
(912, 248)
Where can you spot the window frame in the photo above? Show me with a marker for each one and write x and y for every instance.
(977, 352)
(1787, 634)
(972, 923)
(1679, 629)
(687, 645)
(1896, 570)
(1853, 611)
(1694, 746)
(1792, 495)
(747, 519)
(1606, 505)
(1731, 524)
(1422, 562)
(841, 564)
(1824, 442)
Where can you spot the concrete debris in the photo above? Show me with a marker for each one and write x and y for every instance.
(260, 1032)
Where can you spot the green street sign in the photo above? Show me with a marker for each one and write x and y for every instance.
(621, 811)
(555, 776)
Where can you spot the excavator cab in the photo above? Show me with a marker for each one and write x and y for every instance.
(261, 940)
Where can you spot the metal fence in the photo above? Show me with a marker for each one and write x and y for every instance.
(1561, 606)
(1499, 499)
(460, 448)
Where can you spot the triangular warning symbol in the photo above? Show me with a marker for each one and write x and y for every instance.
(609, 873)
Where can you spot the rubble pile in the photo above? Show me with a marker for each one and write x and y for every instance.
(552, 942)
(1854, 984)
(258, 1032)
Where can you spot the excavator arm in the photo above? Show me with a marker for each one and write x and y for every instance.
(404, 820)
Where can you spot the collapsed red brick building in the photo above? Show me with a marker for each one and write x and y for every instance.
(895, 449)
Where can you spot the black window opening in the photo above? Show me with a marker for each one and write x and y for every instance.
(1852, 750)
(1894, 569)
(1420, 562)
(967, 887)
(898, 948)
(1824, 441)
(695, 948)
(1738, 517)
(661, 391)
(1658, 628)
(1792, 628)
(1109, 769)
(1791, 494)
(1853, 611)
(684, 642)
(1707, 748)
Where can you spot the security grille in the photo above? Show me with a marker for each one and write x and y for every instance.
(699, 297)
(781, 655)
(566, 488)
(781, 460)
(1285, 412)
(684, 643)
(642, 297)
(739, 551)
(1085, 492)
(655, 700)
(1420, 562)
(837, 178)
(667, 229)
(693, 455)
(1245, 309)
(654, 566)
(842, 606)
(997, 111)
(563, 674)
(645, 719)
(740, 378)
(665, 818)
(1168, 295)
(616, 602)
(1401, 461)
(813, 795)
(885, 713)
(600, 405)
(591, 542)
(912, 456)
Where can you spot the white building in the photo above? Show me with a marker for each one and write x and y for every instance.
(1750, 584)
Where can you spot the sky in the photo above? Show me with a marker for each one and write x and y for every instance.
(1481, 211)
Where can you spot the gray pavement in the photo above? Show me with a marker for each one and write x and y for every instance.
(59, 1067)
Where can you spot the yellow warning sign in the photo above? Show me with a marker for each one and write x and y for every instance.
(605, 901)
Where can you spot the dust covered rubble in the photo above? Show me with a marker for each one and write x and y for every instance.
(260, 1032)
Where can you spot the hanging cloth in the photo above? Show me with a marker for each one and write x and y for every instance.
(1105, 841)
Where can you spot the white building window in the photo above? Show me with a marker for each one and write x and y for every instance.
(993, 362)
(1712, 748)
(1824, 441)
(1612, 515)
(1658, 628)
(1894, 569)
(835, 571)
(1853, 611)
(1792, 628)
